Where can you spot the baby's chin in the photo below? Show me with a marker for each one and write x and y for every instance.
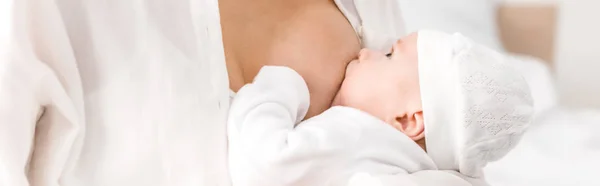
(336, 100)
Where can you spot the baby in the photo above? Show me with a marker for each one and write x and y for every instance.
(434, 112)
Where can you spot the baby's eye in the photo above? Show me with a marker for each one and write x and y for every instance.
(389, 55)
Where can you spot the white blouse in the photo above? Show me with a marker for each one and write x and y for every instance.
(112, 93)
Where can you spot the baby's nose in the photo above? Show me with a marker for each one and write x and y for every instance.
(367, 54)
(363, 54)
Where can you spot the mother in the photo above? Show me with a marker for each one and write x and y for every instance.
(127, 93)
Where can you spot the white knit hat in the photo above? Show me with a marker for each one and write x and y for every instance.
(475, 107)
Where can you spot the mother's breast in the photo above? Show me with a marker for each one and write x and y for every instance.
(312, 37)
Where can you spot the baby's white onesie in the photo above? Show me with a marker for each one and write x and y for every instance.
(268, 145)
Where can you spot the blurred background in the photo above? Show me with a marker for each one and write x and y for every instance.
(576, 56)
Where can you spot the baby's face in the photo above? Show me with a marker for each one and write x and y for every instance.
(386, 87)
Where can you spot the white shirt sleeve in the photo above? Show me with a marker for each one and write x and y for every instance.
(40, 95)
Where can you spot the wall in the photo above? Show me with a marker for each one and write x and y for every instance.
(577, 56)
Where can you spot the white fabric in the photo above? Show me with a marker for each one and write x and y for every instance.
(378, 23)
(112, 93)
(268, 145)
(475, 106)
(475, 19)
(562, 138)
(421, 178)
(560, 149)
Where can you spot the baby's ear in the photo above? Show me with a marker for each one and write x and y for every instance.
(421, 123)
(411, 125)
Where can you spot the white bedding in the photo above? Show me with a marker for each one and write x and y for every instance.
(561, 148)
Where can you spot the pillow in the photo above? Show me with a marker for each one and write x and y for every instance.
(475, 19)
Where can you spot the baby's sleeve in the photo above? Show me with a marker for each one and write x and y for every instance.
(261, 117)
(265, 111)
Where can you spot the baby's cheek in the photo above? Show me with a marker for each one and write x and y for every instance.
(355, 94)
